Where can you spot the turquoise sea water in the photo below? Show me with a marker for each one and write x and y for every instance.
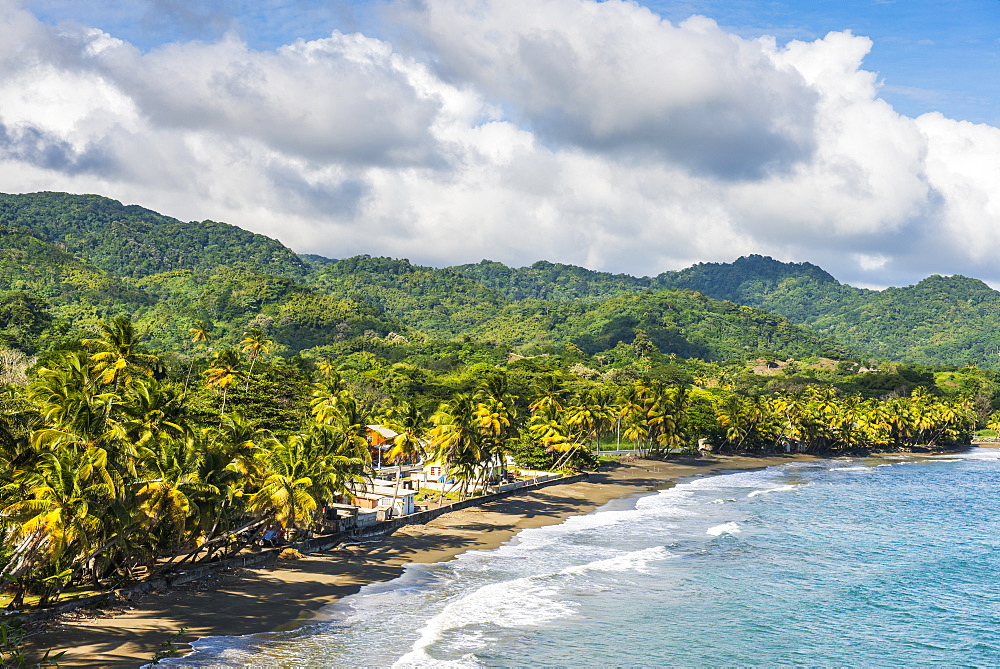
(885, 562)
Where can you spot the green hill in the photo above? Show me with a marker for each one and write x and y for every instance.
(680, 322)
(86, 257)
(554, 281)
(233, 299)
(940, 320)
(70, 285)
(593, 310)
(130, 241)
(439, 302)
(42, 285)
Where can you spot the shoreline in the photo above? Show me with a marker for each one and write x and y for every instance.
(290, 593)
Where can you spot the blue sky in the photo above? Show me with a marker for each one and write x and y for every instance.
(932, 55)
(862, 136)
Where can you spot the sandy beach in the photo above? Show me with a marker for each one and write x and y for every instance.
(291, 592)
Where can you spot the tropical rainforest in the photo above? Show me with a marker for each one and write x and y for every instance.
(170, 389)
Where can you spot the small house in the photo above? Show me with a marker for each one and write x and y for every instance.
(379, 438)
(390, 501)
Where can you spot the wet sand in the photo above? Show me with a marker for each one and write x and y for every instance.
(290, 592)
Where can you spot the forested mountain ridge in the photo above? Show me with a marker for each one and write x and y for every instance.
(741, 281)
(940, 320)
(439, 302)
(801, 292)
(46, 293)
(545, 280)
(66, 282)
(592, 312)
(683, 323)
(236, 298)
(131, 241)
(90, 256)
(340, 306)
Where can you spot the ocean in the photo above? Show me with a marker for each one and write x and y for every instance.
(872, 561)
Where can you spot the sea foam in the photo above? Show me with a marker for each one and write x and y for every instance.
(725, 528)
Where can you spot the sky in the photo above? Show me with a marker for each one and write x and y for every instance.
(636, 137)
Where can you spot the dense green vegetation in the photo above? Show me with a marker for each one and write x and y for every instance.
(439, 302)
(349, 304)
(166, 407)
(115, 465)
(940, 320)
(950, 320)
(554, 281)
(683, 323)
(133, 241)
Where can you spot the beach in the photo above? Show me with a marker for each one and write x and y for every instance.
(291, 592)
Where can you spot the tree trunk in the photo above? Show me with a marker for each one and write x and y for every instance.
(187, 379)
(225, 393)
(250, 373)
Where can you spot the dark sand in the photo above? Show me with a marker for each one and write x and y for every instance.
(292, 591)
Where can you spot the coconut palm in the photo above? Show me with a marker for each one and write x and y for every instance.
(557, 436)
(225, 371)
(409, 424)
(455, 438)
(118, 358)
(674, 404)
(254, 344)
(338, 459)
(631, 414)
(66, 393)
(332, 403)
(592, 413)
(201, 333)
(548, 397)
(63, 518)
(284, 492)
(325, 367)
(166, 494)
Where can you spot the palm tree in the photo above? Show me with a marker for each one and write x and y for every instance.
(65, 393)
(455, 438)
(338, 459)
(495, 422)
(325, 367)
(557, 437)
(151, 414)
(748, 420)
(408, 445)
(118, 356)
(631, 414)
(333, 403)
(63, 517)
(284, 493)
(592, 413)
(672, 416)
(165, 496)
(201, 333)
(548, 397)
(223, 373)
(254, 343)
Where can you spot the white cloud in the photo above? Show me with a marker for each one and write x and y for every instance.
(614, 77)
(963, 163)
(569, 130)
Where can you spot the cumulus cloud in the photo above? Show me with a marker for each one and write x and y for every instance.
(614, 77)
(569, 130)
